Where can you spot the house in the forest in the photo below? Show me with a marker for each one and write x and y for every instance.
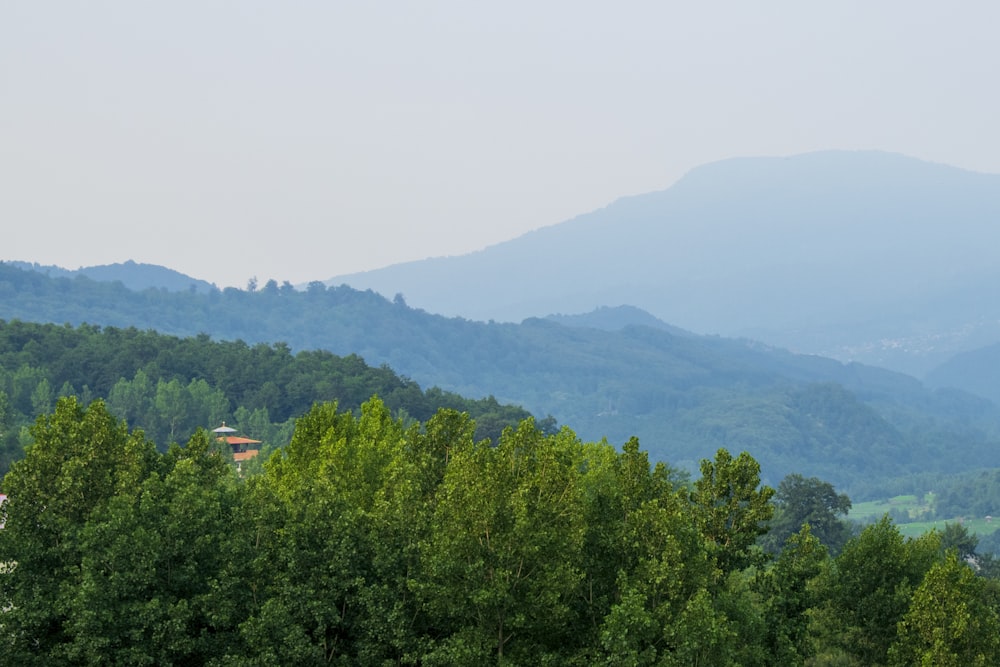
(243, 449)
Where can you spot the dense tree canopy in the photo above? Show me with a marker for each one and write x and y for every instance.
(374, 539)
(172, 386)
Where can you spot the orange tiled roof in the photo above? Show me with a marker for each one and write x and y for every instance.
(237, 440)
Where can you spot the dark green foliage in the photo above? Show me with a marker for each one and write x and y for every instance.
(371, 539)
(956, 536)
(172, 386)
(800, 501)
(868, 590)
(789, 597)
(969, 495)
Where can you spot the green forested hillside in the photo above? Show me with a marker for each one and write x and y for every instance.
(682, 395)
(367, 541)
(171, 386)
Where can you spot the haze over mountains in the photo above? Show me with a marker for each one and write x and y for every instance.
(615, 373)
(134, 276)
(864, 256)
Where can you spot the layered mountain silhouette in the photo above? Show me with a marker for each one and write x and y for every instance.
(975, 371)
(614, 373)
(864, 256)
(134, 275)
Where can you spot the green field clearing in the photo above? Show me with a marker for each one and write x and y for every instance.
(980, 527)
(915, 509)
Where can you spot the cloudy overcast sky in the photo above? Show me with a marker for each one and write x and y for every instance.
(305, 139)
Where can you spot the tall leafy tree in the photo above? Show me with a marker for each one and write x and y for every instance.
(789, 594)
(665, 614)
(157, 578)
(951, 621)
(799, 501)
(80, 459)
(502, 564)
(732, 508)
(867, 591)
(670, 590)
(338, 519)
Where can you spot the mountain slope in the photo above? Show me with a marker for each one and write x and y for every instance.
(683, 395)
(133, 275)
(975, 371)
(859, 255)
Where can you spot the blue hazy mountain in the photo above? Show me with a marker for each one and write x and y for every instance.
(865, 256)
(133, 275)
(614, 373)
(616, 318)
(975, 371)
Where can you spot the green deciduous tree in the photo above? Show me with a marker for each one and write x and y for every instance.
(666, 607)
(80, 459)
(951, 621)
(732, 508)
(159, 576)
(503, 560)
(956, 536)
(338, 516)
(800, 500)
(867, 591)
(789, 595)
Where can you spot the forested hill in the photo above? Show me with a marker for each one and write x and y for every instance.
(170, 386)
(682, 395)
(133, 275)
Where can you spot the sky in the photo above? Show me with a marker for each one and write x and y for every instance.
(303, 140)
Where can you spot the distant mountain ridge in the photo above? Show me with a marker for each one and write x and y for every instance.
(615, 376)
(865, 256)
(975, 371)
(615, 318)
(133, 275)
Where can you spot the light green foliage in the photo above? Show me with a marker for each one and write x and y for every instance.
(663, 615)
(132, 400)
(665, 612)
(951, 621)
(504, 557)
(732, 509)
(80, 461)
(41, 397)
(311, 559)
(615, 485)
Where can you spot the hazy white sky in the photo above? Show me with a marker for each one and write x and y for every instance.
(304, 139)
